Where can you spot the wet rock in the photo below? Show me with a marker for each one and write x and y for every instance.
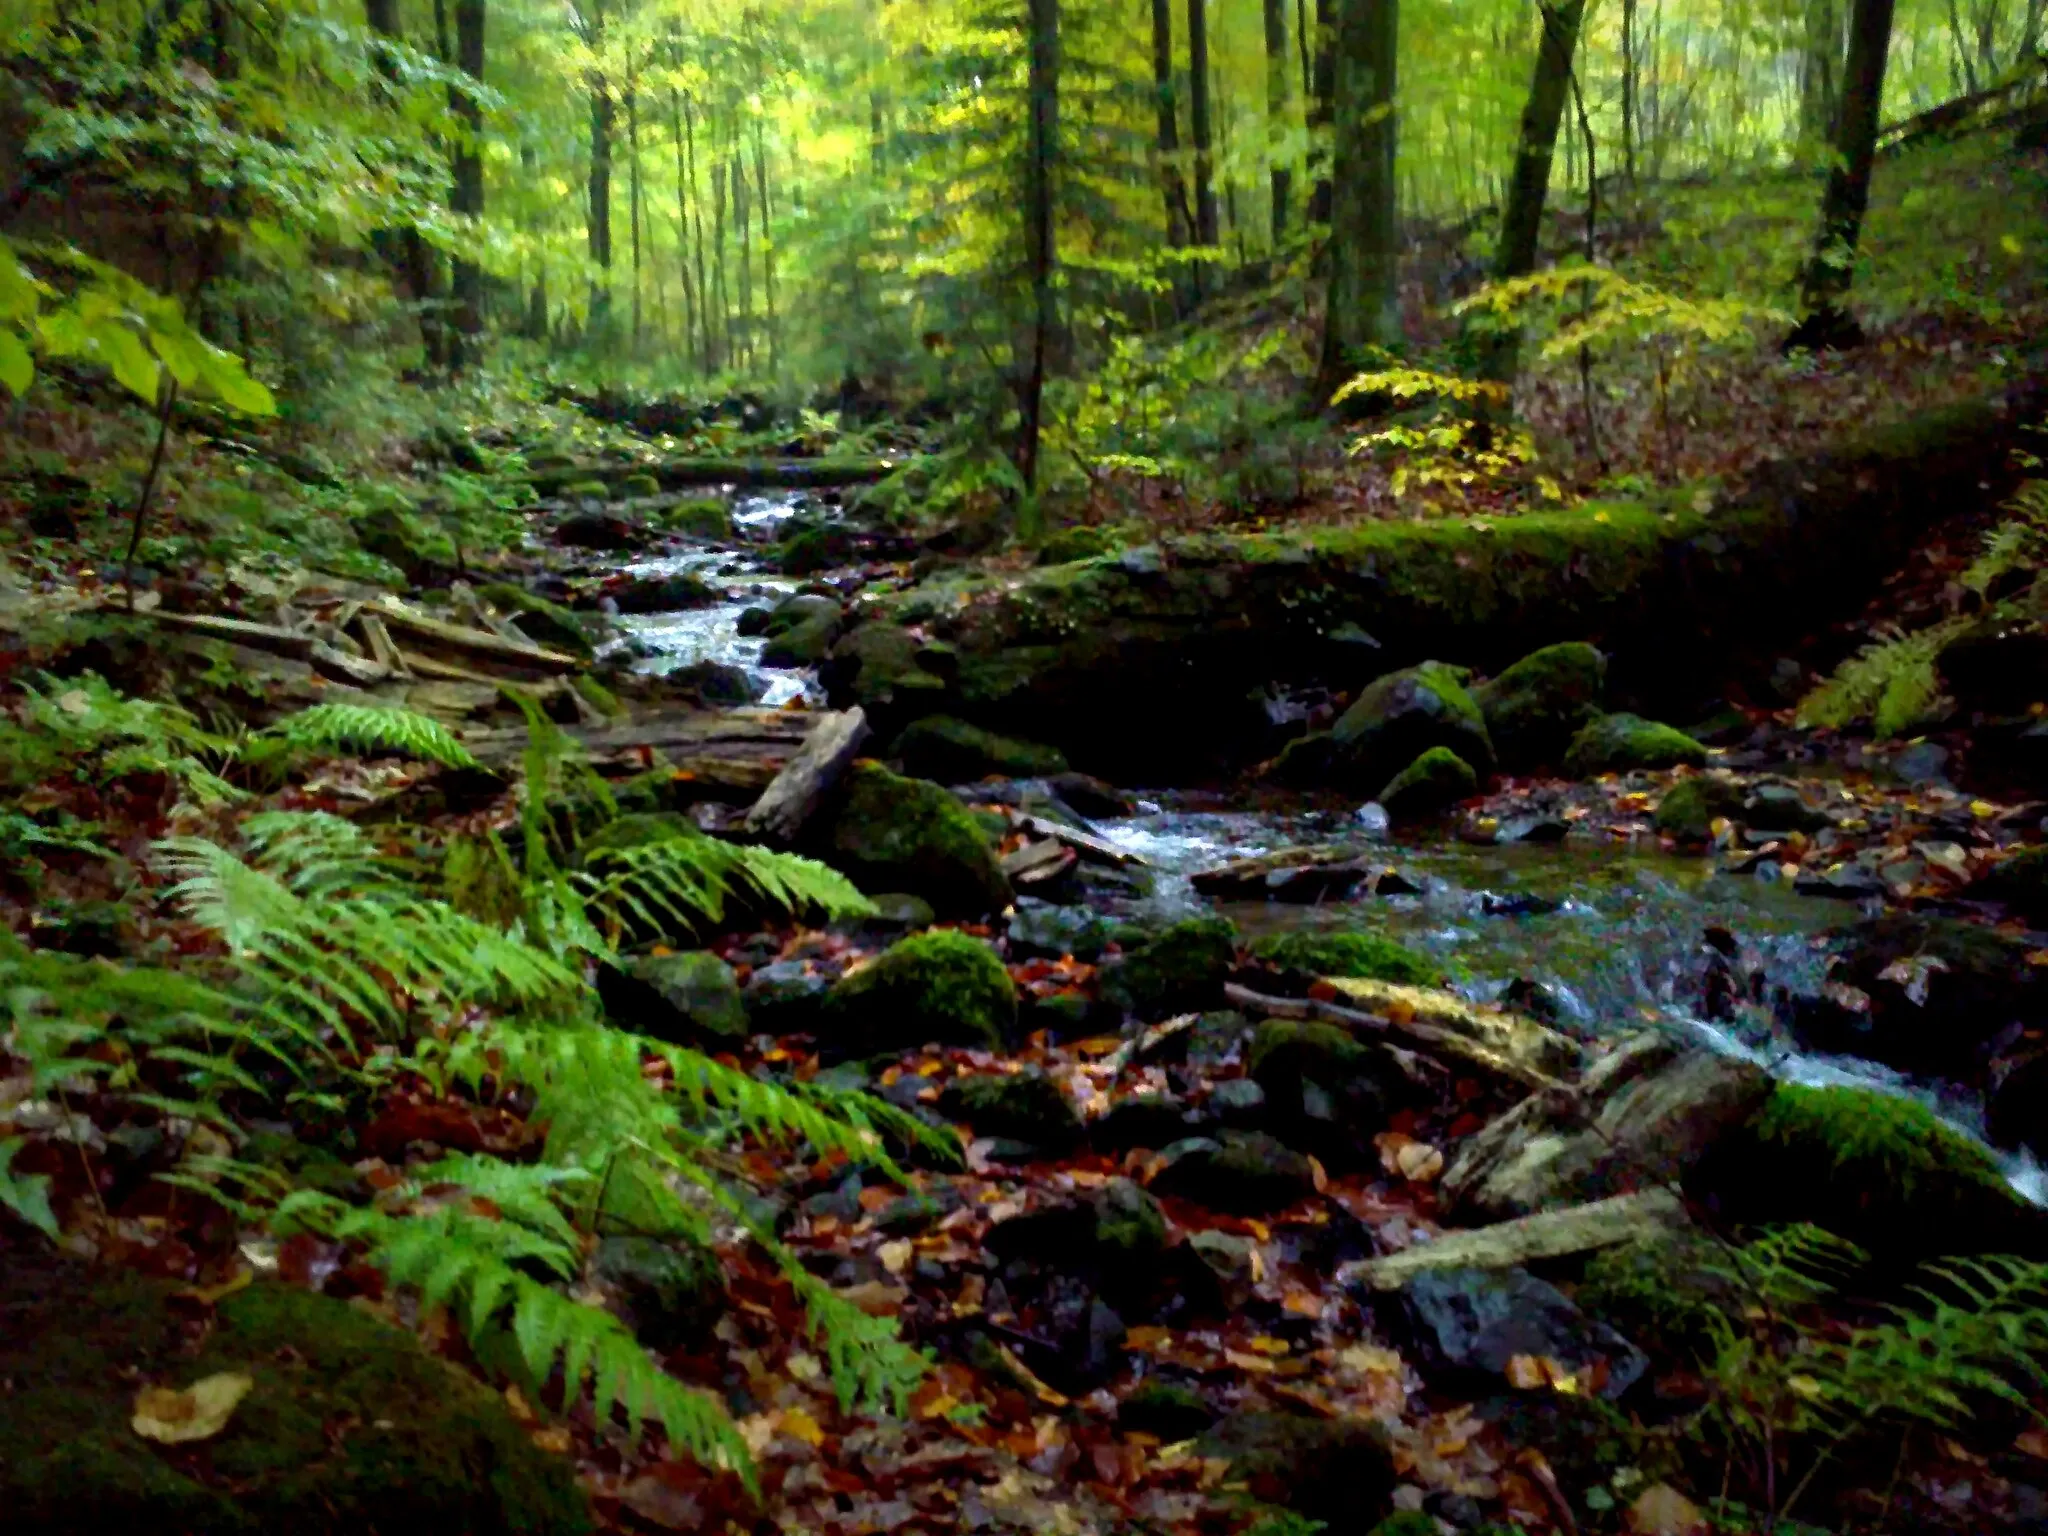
(785, 997)
(1170, 1410)
(1402, 715)
(663, 594)
(1147, 1120)
(1643, 1114)
(941, 986)
(1306, 761)
(897, 913)
(800, 631)
(813, 547)
(1308, 875)
(1474, 1321)
(1783, 808)
(670, 1293)
(1691, 807)
(1429, 786)
(1326, 1093)
(1998, 667)
(1336, 952)
(603, 531)
(1180, 970)
(1026, 1106)
(1877, 1169)
(719, 684)
(1091, 796)
(2019, 883)
(890, 833)
(753, 621)
(1845, 881)
(427, 1449)
(701, 518)
(954, 752)
(1923, 763)
(1621, 743)
(889, 671)
(680, 998)
(2016, 1108)
(1039, 928)
(1339, 1471)
(1532, 828)
(1237, 1103)
(1245, 1173)
(1535, 708)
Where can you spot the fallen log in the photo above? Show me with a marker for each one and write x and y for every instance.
(1095, 849)
(748, 474)
(764, 738)
(481, 643)
(786, 804)
(1509, 1244)
(1302, 875)
(297, 644)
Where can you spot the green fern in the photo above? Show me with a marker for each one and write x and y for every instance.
(364, 730)
(25, 1194)
(681, 885)
(1891, 684)
(84, 728)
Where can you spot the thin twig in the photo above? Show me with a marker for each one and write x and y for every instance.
(156, 464)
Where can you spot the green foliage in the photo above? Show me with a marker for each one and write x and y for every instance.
(1457, 453)
(1893, 1143)
(27, 1195)
(360, 730)
(1890, 684)
(83, 728)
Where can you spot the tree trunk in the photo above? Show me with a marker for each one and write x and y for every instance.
(1304, 44)
(1820, 72)
(1833, 262)
(761, 205)
(1629, 127)
(1280, 169)
(697, 236)
(724, 350)
(743, 217)
(600, 215)
(633, 190)
(467, 288)
(1041, 253)
(1521, 223)
(1206, 231)
(675, 109)
(1173, 186)
(1319, 108)
(406, 250)
(1364, 251)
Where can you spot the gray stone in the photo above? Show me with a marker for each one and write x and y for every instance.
(1477, 1320)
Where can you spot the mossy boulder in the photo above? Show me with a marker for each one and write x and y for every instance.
(954, 752)
(1179, 970)
(664, 594)
(1025, 1106)
(703, 518)
(1326, 1092)
(682, 998)
(892, 673)
(1620, 743)
(1305, 761)
(800, 630)
(1690, 807)
(1245, 1173)
(1535, 708)
(1336, 1470)
(1171, 1410)
(670, 1292)
(1881, 1170)
(586, 490)
(890, 833)
(349, 1427)
(1402, 715)
(1082, 543)
(541, 621)
(1334, 952)
(1429, 786)
(2019, 883)
(942, 986)
(637, 485)
(818, 547)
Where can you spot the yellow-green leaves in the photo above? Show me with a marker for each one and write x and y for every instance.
(112, 320)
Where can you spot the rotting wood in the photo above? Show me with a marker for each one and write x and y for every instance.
(478, 642)
(787, 803)
(297, 644)
(733, 735)
(1549, 1235)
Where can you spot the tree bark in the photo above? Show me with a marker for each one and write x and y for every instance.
(1319, 108)
(675, 108)
(1831, 267)
(467, 288)
(1820, 72)
(1206, 231)
(761, 205)
(724, 349)
(633, 190)
(743, 217)
(1364, 250)
(411, 258)
(697, 236)
(1628, 92)
(1280, 170)
(1521, 223)
(1041, 252)
(599, 218)
(1303, 42)
(1173, 186)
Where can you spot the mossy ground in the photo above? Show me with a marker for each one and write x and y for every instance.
(1367, 955)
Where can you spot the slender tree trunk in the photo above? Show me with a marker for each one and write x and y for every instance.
(1820, 72)
(762, 208)
(1206, 231)
(743, 218)
(599, 218)
(1521, 224)
(1174, 186)
(633, 190)
(1629, 126)
(1832, 265)
(675, 108)
(467, 288)
(1319, 108)
(1364, 250)
(697, 237)
(406, 250)
(1305, 45)
(1041, 252)
(725, 348)
(1280, 168)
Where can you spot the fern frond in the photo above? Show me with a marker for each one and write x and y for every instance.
(1891, 684)
(367, 730)
(869, 1365)
(680, 884)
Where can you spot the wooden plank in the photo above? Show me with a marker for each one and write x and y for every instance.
(296, 644)
(1508, 1244)
(787, 803)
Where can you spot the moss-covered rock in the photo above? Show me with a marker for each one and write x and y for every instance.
(893, 674)
(586, 490)
(1619, 743)
(1339, 1471)
(1402, 715)
(1535, 708)
(940, 986)
(1081, 543)
(664, 594)
(681, 998)
(1326, 1093)
(1690, 807)
(670, 1292)
(1429, 786)
(818, 547)
(637, 485)
(1336, 952)
(1171, 1410)
(1179, 970)
(1880, 1170)
(1246, 1173)
(803, 644)
(954, 752)
(1027, 1106)
(348, 1429)
(702, 518)
(890, 833)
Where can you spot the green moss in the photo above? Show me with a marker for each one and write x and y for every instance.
(1069, 544)
(1875, 1139)
(1169, 1409)
(639, 485)
(1620, 743)
(704, 518)
(940, 986)
(1407, 1522)
(541, 621)
(1027, 1105)
(1691, 806)
(1404, 714)
(1368, 955)
(349, 1427)
(1536, 706)
(1180, 970)
(891, 833)
(803, 643)
(1432, 784)
(1296, 1049)
(586, 490)
(1129, 1224)
(597, 696)
(954, 752)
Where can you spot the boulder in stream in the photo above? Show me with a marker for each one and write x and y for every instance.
(800, 630)
(891, 672)
(1690, 808)
(1622, 743)
(943, 986)
(1429, 786)
(889, 833)
(1535, 708)
(954, 752)
(1398, 717)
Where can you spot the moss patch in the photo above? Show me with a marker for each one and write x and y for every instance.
(349, 1428)
(704, 518)
(1180, 970)
(1536, 706)
(941, 986)
(1691, 806)
(890, 833)
(1620, 743)
(1404, 714)
(954, 752)
(1367, 955)
(1429, 786)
